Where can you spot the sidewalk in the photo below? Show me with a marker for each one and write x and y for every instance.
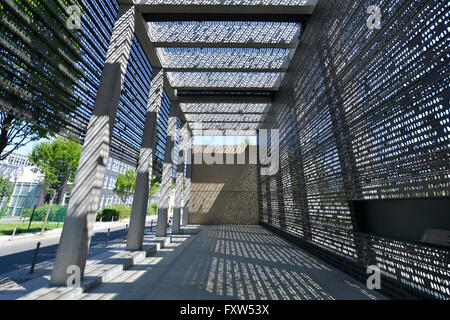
(28, 284)
(19, 280)
(33, 237)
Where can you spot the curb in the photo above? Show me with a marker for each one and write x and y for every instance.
(190, 230)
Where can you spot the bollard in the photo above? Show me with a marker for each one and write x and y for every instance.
(13, 234)
(101, 218)
(107, 238)
(151, 226)
(35, 257)
(112, 220)
(126, 233)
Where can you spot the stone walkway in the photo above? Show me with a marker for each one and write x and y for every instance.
(232, 262)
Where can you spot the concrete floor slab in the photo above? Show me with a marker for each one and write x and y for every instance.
(231, 263)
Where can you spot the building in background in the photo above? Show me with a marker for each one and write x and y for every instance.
(113, 169)
(29, 191)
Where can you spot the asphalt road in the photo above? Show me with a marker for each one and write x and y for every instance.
(21, 255)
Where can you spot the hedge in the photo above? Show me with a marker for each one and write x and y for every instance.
(57, 213)
(115, 211)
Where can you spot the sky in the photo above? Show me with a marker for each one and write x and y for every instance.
(199, 140)
(28, 147)
(215, 140)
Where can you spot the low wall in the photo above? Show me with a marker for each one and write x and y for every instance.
(224, 193)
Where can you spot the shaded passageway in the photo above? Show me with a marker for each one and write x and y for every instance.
(347, 103)
(232, 262)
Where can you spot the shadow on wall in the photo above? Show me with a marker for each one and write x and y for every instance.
(224, 193)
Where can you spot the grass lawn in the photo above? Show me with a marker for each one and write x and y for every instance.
(7, 229)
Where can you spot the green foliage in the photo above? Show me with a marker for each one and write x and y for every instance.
(49, 98)
(22, 131)
(57, 161)
(6, 187)
(8, 228)
(57, 213)
(125, 185)
(155, 186)
(115, 211)
(152, 209)
(246, 142)
(172, 188)
(108, 213)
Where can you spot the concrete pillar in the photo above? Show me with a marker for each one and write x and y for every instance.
(187, 183)
(166, 180)
(136, 231)
(180, 180)
(81, 213)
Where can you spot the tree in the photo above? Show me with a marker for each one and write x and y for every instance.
(155, 186)
(172, 188)
(124, 188)
(37, 96)
(16, 133)
(246, 142)
(57, 161)
(6, 189)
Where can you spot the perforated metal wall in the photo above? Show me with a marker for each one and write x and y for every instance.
(364, 115)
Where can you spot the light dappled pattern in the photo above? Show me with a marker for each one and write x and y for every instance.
(229, 58)
(224, 79)
(232, 2)
(224, 32)
(223, 107)
(224, 126)
(362, 114)
(224, 117)
(364, 118)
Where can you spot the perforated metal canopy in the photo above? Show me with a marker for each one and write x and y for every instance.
(224, 59)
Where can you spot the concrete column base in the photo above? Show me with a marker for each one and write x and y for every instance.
(184, 219)
(176, 221)
(161, 227)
